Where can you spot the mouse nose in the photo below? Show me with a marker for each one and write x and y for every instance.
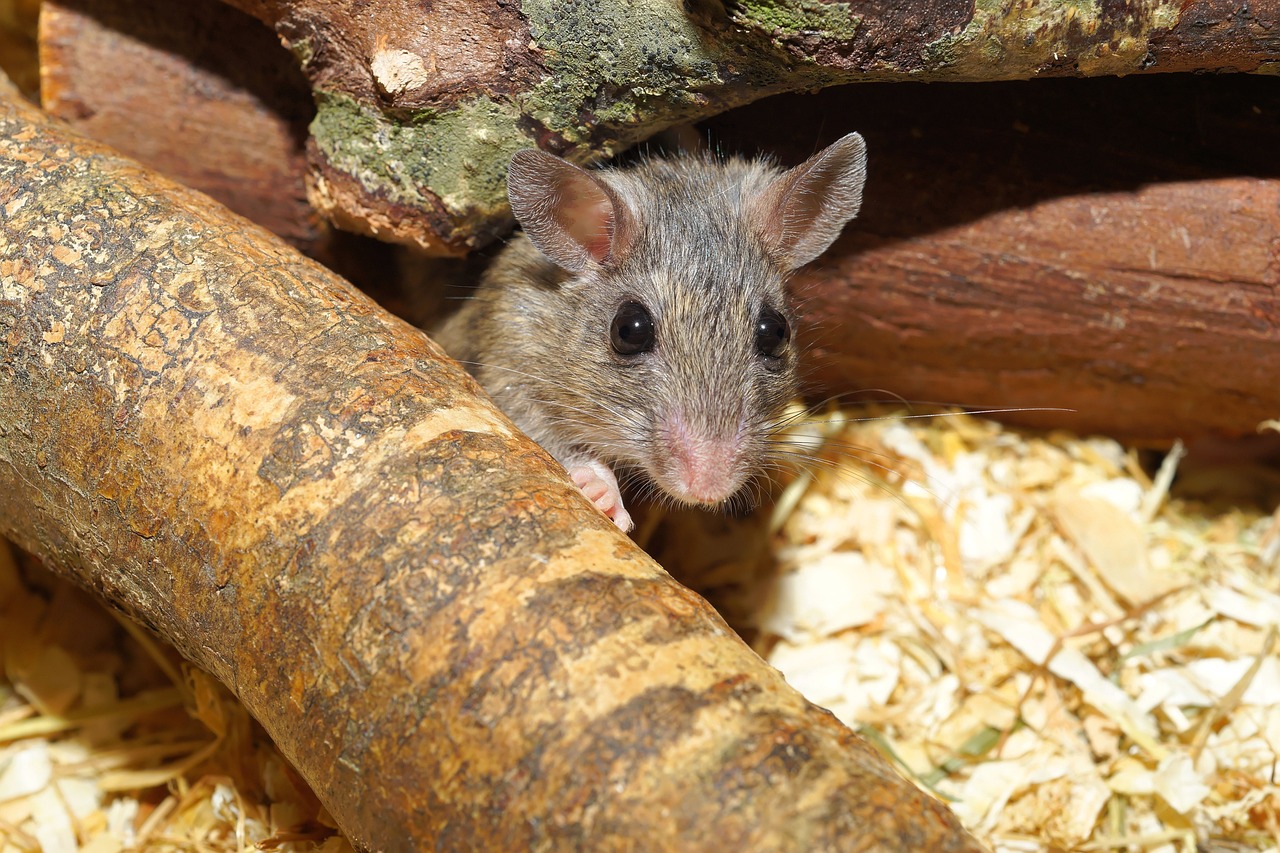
(704, 463)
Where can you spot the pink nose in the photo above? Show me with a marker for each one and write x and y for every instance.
(705, 468)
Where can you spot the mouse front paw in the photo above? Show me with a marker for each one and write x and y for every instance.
(601, 488)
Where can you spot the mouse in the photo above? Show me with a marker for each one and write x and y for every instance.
(638, 326)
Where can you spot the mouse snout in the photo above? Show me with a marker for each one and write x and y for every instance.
(703, 464)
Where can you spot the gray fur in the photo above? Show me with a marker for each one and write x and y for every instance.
(704, 246)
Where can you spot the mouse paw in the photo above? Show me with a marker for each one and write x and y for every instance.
(601, 488)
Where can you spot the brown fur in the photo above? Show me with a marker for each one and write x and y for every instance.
(704, 245)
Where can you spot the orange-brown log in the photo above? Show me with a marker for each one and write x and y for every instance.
(237, 449)
(1153, 314)
(1109, 246)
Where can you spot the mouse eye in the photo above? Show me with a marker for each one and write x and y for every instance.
(632, 331)
(772, 333)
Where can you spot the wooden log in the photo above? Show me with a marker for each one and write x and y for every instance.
(202, 93)
(296, 490)
(1110, 246)
(421, 105)
(199, 92)
(1117, 306)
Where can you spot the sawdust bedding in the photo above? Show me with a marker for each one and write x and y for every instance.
(1033, 627)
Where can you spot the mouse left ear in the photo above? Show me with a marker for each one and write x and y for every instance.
(572, 216)
(803, 210)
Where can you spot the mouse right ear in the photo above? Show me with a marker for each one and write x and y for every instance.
(573, 218)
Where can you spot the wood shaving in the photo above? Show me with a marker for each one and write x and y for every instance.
(1097, 670)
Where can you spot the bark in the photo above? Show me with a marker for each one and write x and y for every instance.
(234, 447)
(421, 105)
(1110, 246)
(1116, 306)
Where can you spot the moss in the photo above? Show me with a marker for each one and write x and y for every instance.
(793, 17)
(450, 152)
(615, 65)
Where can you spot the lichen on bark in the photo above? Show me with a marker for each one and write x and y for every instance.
(408, 159)
(793, 17)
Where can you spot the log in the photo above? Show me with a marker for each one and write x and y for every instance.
(421, 105)
(199, 92)
(204, 94)
(1109, 246)
(240, 451)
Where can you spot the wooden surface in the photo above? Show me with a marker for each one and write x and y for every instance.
(1109, 246)
(197, 92)
(240, 451)
(420, 106)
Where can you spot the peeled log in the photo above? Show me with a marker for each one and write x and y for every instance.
(296, 490)
(1108, 246)
(1152, 314)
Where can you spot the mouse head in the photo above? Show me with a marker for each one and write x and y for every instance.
(678, 351)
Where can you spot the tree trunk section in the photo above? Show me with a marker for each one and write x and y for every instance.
(420, 105)
(1108, 246)
(235, 448)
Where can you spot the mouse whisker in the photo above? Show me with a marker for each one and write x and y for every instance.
(839, 447)
(885, 475)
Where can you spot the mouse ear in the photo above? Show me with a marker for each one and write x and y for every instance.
(802, 210)
(573, 217)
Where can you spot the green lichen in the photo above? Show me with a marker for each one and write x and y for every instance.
(1008, 40)
(794, 17)
(451, 152)
(303, 50)
(613, 68)
(607, 61)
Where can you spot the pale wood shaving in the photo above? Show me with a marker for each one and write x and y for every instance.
(1071, 655)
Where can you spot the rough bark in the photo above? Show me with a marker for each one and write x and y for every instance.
(1110, 246)
(421, 105)
(237, 449)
